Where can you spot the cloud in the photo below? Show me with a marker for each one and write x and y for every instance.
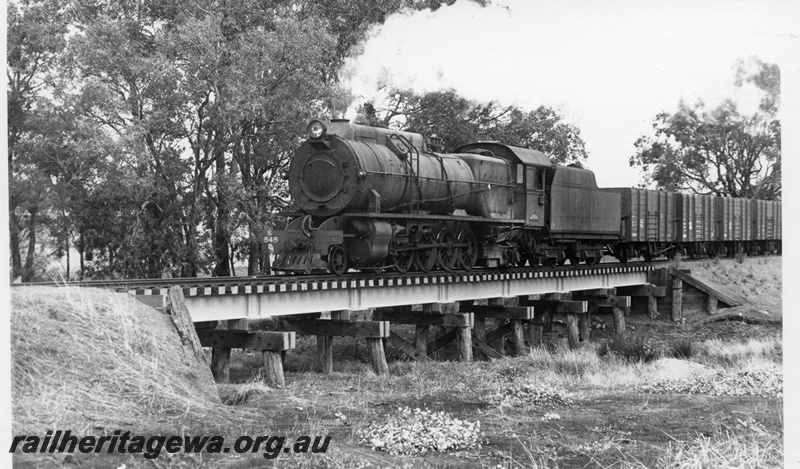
(607, 66)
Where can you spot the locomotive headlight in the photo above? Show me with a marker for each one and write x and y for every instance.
(316, 129)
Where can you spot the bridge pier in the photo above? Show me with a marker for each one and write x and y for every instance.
(347, 324)
(272, 345)
(645, 298)
(513, 316)
(607, 298)
(456, 326)
(562, 304)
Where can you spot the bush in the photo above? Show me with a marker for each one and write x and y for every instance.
(683, 348)
(633, 350)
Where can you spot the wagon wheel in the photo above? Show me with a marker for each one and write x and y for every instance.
(573, 256)
(648, 256)
(550, 262)
(592, 260)
(337, 260)
(403, 260)
(622, 254)
(449, 253)
(468, 254)
(425, 259)
(523, 259)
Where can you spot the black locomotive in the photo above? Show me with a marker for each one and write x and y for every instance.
(374, 198)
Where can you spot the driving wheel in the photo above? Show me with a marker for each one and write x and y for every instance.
(448, 252)
(404, 260)
(426, 257)
(468, 250)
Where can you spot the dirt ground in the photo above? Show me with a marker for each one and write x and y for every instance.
(606, 420)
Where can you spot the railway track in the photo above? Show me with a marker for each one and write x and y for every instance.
(197, 282)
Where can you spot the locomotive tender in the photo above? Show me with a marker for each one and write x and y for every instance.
(375, 198)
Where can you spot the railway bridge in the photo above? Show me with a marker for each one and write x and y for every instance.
(520, 303)
(234, 298)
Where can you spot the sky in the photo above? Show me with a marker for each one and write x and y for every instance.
(606, 66)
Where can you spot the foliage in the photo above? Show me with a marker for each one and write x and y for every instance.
(459, 121)
(35, 40)
(150, 136)
(682, 348)
(718, 151)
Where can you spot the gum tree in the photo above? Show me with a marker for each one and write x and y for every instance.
(718, 151)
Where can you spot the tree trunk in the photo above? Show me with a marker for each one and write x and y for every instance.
(266, 261)
(222, 269)
(254, 253)
(27, 271)
(81, 248)
(16, 258)
(66, 250)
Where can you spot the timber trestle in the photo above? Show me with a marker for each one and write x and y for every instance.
(464, 316)
(472, 316)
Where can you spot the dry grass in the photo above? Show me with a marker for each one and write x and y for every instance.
(758, 280)
(87, 360)
(756, 448)
(749, 354)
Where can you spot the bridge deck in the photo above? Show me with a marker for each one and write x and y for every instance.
(251, 299)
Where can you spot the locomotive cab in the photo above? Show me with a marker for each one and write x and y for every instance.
(529, 169)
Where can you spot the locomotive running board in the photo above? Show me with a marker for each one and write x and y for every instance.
(411, 216)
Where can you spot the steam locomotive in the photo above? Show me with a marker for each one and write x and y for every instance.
(375, 198)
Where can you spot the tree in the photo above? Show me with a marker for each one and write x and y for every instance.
(458, 120)
(151, 135)
(718, 151)
(35, 40)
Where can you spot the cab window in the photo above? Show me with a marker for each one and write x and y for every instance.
(534, 181)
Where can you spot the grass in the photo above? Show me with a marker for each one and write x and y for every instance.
(758, 280)
(123, 371)
(751, 353)
(757, 448)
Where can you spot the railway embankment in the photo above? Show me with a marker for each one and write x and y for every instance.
(87, 357)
